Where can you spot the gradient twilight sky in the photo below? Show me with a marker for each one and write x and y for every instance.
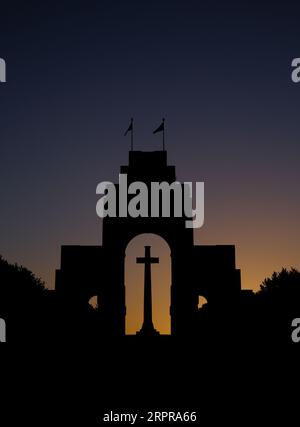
(220, 74)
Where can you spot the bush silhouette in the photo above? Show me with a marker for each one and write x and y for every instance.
(279, 297)
(283, 286)
(20, 289)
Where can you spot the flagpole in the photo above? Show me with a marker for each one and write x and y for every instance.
(161, 128)
(131, 138)
(163, 134)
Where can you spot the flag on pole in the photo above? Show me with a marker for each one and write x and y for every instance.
(161, 127)
(130, 128)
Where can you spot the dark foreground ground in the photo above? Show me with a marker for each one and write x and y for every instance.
(74, 384)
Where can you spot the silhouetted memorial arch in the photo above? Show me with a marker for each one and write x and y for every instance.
(195, 269)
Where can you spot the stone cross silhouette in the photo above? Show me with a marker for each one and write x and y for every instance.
(147, 328)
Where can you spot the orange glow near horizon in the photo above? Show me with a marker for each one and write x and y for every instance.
(259, 252)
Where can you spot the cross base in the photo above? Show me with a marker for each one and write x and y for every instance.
(148, 331)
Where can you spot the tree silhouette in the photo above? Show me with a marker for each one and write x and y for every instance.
(282, 288)
(24, 300)
(18, 286)
(278, 303)
(15, 278)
